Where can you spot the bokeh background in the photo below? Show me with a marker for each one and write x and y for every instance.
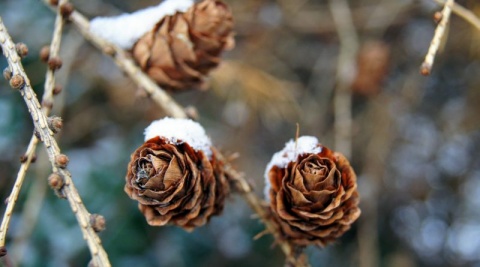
(415, 140)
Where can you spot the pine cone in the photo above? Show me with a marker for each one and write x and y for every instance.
(175, 184)
(373, 62)
(182, 48)
(314, 196)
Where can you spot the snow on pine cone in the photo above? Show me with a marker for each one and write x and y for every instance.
(182, 48)
(175, 176)
(312, 192)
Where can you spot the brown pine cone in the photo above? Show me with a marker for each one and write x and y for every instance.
(182, 48)
(314, 196)
(175, 184)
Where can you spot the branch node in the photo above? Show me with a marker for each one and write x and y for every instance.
(45, 53)
(97, 222)
(55, 124)
(54, 63)
(22, 49)
(61, 161)
(56, 181)
(17, 81)
(7, 73)
(66, 10)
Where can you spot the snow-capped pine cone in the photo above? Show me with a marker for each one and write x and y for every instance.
(182, 48)
(314, 197)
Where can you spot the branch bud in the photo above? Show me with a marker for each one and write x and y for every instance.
(57, 89)
(55, 63)
(17, 81)
(56, 181)
(24, 157)
(3, 251)
(45, 53)
(7, 73)
(55, 124)
(22, 49)
(97, 222)
(61, 161)
(66, 10)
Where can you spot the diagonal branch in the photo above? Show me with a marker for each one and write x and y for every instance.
(29, 154)
(464, 13)
(427, 64)
(172, 108)
(20, 80)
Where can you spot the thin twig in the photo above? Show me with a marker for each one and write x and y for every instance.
(161, 98)
(427, 64)
(12, 199)
(47, 97)
(464, 13)
(245, 189)
(99, 256)
(347, 34)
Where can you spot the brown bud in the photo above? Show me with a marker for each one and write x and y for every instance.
(17, 82)
(66, 10)
(57, 89)
(56, 181)
(37, 134)
(3, 251)
(55, 124)
(45, 53)
(55, 63)
(22, 49)
(24, 157)
(53, 2)
(425, 69)
(61, 161)
(7, 73)
(97, 222)
(437, 17)
(47, 103)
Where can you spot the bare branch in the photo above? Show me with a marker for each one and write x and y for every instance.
(99, 255)
(427, 64)
(342, 17)
(464, 13)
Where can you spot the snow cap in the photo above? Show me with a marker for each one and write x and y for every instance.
(290, 153)
(178, 131)
(125, 30)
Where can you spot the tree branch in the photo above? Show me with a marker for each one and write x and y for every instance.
(21, 81)
(464, 13)
(427, 64)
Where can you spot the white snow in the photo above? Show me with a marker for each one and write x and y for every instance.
(124, 30)
(178, 131)
(290, 153)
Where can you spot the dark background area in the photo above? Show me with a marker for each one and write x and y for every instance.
(415, 139)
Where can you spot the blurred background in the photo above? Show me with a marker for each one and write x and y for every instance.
(414, 141)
